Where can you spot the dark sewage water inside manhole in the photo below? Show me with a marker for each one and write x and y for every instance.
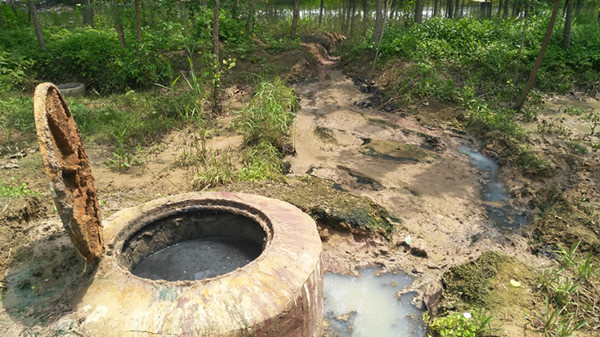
(198, 259)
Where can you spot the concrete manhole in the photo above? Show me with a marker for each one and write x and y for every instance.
(159, 272)
(277, 294)
(72, 89)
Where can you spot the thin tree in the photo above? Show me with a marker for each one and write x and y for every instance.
(436, 7)
(14, 6)
(321, 6)
(119, 24)
(540, 57)
(1, 15)
(295, 15)
(378, 44)
(378, 33)
(567, 29)
(578, 7)
(138, 21)
(522, 40)
(419, 11)
(506, 6)
(449, 9)
(250, 17)
(456, 8)
(365, 14)
(217, 77)
(352, 17)
(86, 12)
(36, 25)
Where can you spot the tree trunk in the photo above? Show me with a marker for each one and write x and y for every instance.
(449, 9)
(1, 16)
(436, 7)
(378, 22)
(540, 57)
(419, 11)
(138, 21)
(217, 76)
(392, 9)
(347, 16)
(36, 24)
(516, 8)
(578, 7)
(567, 28)
(456, 8)
(14, 7)
(250, 17)
(119, 24)
(500, 3)
(378, 42)
(522, 41)
(321, 7)
(365, 10)
(506, 6)
(295, 16)
(352, 18)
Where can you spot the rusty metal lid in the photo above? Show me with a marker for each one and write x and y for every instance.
(67, 166)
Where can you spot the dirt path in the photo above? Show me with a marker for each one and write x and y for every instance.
(415, 171)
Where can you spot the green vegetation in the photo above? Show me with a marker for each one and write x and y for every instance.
(571, 293)
(467, 324)
(269, 115)
(265, 124)
(15, 189)
(447, 55)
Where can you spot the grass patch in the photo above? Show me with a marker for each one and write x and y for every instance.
(13, 189)
(262, 162)
(572, 293)
(269, 115)
(215, 168)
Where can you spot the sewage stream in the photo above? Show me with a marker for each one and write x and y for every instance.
(368, 305)
(501, 213)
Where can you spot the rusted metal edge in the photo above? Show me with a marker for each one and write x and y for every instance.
(67, 166)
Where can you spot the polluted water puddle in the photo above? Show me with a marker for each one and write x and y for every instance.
(369, 305)
(198, 259)
(502, 215)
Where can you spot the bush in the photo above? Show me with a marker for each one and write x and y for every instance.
(92, 56)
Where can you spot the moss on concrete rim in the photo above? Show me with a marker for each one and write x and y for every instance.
(329, 206)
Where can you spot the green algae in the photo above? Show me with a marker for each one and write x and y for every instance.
(328, 206)
(396, 151)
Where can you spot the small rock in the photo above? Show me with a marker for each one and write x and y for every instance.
(418, 252)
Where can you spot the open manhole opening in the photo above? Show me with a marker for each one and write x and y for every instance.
(193, 243)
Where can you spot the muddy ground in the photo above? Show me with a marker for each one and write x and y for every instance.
(371, 172)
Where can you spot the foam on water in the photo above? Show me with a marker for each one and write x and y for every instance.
(368, 305)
